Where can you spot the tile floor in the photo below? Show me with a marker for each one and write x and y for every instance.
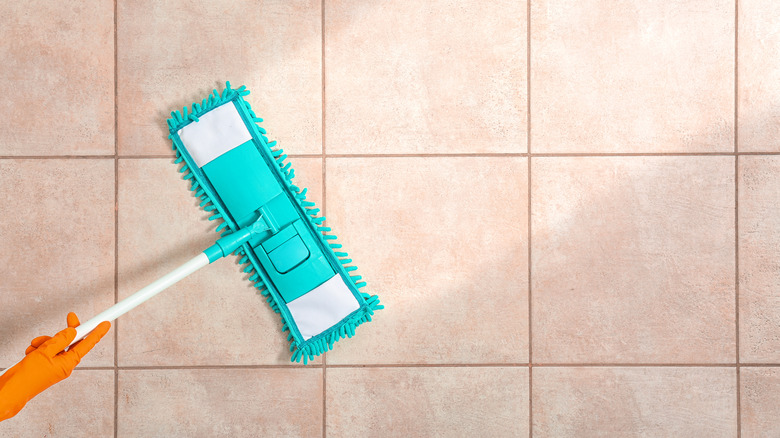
(569, 208)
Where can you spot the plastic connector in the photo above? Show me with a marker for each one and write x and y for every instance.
(232, 241)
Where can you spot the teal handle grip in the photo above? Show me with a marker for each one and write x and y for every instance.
(231, 242)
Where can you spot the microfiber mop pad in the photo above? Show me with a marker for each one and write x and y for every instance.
(242, 178)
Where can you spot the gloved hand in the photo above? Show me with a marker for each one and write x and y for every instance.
(45, 364)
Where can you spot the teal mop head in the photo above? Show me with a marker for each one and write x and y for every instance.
(243, 179)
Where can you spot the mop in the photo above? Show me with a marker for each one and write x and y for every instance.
(292, 258)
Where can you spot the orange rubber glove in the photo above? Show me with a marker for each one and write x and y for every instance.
(45, 364)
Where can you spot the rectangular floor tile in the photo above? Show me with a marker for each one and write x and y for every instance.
(56, 250)
(759, 259)
(636, 402)
(58, 78)
(430, 402)
(80, 406)
(213, 317)
(760, 402)
(633, 259)
(632, 76)
(220, 402)
(411, 77)
(442, 241)
(759, 76)
(173, 53)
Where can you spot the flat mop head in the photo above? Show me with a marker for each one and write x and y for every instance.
(242, 177)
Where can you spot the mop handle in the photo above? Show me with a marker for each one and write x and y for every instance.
(141, 296)
(221, 248)
(138, 298)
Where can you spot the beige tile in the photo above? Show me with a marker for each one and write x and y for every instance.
(213, 317)
(442, 241)
(57, 251)
(759, 75)
(640, 402)
(632, 76)
(173, 53)
(430, 402)
(760, 401)
(220, 402)
(633, 259)
(411, 77)
(759, 259)
(79, 406)
(58, 78)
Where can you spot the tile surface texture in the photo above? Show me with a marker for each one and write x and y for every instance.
(632, 76)
(759, 259)
(410, 77)
(760, 402)
(57, 250)
(173, 53)
(227, 402)
(759, 76)
(435, 402)
(633, 259)
(58, 78)
(636, 401)
(82, 405)
(443, 242)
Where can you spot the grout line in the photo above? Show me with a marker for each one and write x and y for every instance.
(736, 288)
(530, 401)
(212, 367)
(116, 402)
(736, 213)
(528, 191)
(324, 211)
(484, 155)
(755, 153)
(322, 78)
(528, 188)
(116, 293)
(450, 365)
(636, 154)
(637, 365)
(324, 397)
(139, 157)
(352, 366)
(171, 157)
(553, 155)
(449, 155)
(542, 365)
(758, 365)
(57, 157)
(530, 303)
(736, 76)
(116, 227)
